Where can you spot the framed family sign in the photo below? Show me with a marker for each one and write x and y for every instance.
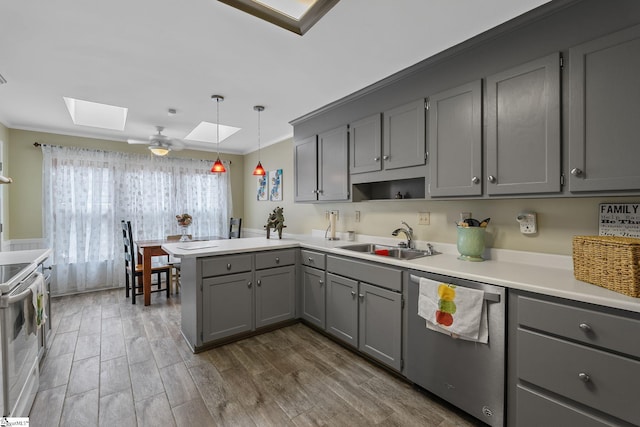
(619, 219)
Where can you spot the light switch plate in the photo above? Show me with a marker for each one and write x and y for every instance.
(357, 216)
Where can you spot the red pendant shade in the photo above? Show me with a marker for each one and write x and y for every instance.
(218, 166)
(259, 170)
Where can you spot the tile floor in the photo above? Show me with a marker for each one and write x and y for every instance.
(113, 363)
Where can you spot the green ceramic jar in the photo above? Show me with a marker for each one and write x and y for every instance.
(471, 243)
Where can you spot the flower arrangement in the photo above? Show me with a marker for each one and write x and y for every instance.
(184, 220)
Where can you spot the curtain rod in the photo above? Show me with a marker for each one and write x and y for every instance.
(38, 144)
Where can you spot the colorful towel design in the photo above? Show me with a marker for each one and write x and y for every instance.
(456, 311)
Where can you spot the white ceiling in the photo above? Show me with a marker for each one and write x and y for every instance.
(152, 55)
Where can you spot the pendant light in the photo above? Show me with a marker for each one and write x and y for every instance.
(259, 170)
(218, 167)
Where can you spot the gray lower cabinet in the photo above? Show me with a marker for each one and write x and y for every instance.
(455, 141)
(571, 363)
(275, 295)
(342, 308)
(313, 296)
(380, 329)
(321, 167)
(523, 129)
(604, 111)
(229, 306)
(364, 308)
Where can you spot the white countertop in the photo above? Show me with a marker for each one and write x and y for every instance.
(540, 273)
(30, 256)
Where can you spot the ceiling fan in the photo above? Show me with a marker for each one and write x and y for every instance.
(160, 144)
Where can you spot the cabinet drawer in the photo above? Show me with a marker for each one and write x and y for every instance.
(610, 385)
(313, 259)
(380, 275)
(217, 266)
(589, 326)
(272, 259)
(534, 410)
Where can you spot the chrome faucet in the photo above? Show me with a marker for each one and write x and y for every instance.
(408, 231)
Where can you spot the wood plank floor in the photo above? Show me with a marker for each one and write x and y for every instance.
(113, 363)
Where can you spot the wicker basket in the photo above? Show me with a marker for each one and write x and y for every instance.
(608, 261)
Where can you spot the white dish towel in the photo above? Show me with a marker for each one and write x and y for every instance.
(454, 310)
(39, 300)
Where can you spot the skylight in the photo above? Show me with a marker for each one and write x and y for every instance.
(206, 132)
(87, 113)
(293, 15)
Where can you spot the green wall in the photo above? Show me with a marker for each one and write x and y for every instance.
(559, 219)
(24, 164)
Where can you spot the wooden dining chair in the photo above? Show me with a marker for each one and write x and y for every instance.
(133, 270)
(175, 263)
(235, 228)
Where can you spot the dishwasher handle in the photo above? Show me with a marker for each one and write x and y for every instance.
(488, 296)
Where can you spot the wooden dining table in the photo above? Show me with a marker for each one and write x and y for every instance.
(147, 249)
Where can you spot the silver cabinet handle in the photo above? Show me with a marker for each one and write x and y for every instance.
(228, 266)
(576, 172)
(585, 327)
(248, 284)
(385, 157)
(361, 296)
(320, 191)
(376, 159)
(258, 282)
(310, 259)
(277, 260)
(585, 378)
(321, 282)
(475, 180)
(353, 293)
(491, 178)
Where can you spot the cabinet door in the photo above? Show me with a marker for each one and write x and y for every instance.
(605, 107)
(523, 128)
(455, 141)
(305, 161)
(333, 165)
(313, 296)
(275, 295)
(227, 307)
(342, 308)
(404, 136)
(365, 143)
(380, 331)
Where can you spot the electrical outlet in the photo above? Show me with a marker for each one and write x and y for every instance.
(357, 216)
(528, 222)
(464, 215)
(336, 213)
(424, 218)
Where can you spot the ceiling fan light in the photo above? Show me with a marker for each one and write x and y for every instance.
(218, 167)
(159, 150)
(259, 170)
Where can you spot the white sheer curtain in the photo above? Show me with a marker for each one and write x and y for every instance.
(86, 193)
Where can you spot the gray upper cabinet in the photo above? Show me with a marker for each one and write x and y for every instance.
(455, 141)
(523, 129)
(322, 167)
(404, 142)
(305, 160)
(604, 111)
(365, 143)
(333, 165)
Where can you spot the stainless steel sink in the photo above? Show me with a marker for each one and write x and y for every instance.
(389, 251)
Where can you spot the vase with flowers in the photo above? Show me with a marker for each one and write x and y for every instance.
(184, 221)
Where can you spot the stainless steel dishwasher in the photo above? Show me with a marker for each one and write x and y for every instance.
(469, 375)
